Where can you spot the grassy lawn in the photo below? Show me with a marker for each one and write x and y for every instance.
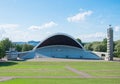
(99, 68)
(59, 69)
(35, 69)
(62, 81)
(104, 73)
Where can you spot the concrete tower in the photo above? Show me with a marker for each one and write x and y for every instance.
(110, 43)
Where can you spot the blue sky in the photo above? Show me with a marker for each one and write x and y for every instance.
(24, 20)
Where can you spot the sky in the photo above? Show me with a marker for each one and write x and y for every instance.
(25, 20)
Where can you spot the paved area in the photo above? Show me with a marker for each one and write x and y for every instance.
(61, 60)
(65, 60)
(69, 60)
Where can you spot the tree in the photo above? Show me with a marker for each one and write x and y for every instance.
(100, 47)
(88, 46)
(18, 47)
(27, 47)
(117, 49)
(2, 51)
(4, 46)
(24, 48)
(104, 45)
(79, 40)
(97, 46)
(6, 43)
(105, 41)
(30, 47)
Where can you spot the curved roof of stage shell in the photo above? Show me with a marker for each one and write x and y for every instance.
(59, 39)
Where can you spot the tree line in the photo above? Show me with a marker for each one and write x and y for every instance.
(5, 44)
(101, 46)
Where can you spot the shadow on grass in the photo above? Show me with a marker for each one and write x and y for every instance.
(7, 63)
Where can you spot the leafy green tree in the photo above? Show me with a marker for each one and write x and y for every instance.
(97, 46)
(24, 48)
(4, 46)
(6, 43)
(18, 47)
(79, 40)
(117, 49)
(100, 47)
(88, 46)
(2, 51)
(30, 47)
(27, 47)
(105, 41)
(104, 45)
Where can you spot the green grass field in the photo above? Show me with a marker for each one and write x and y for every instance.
(35, 69)
(97, 69)
(62, 81)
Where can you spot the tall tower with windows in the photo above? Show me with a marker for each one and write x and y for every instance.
(110, 43)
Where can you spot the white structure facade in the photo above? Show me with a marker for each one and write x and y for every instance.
(60, 46)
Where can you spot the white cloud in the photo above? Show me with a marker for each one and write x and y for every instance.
(92, 37)
(9, 25)
(79, 17)
(15, 33)
(46, 25)
(117, 28)
(81, 9)
(7, 29)
(33, 27)
(48, 32)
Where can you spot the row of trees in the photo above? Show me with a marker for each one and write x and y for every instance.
(117, 48)
(23, 47)
(97, 46)
(6, 44)
(102, 46)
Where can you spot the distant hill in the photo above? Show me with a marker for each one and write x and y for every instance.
(34, 43)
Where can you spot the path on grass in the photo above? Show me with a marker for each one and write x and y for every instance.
(81, 73)
(5, 78)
